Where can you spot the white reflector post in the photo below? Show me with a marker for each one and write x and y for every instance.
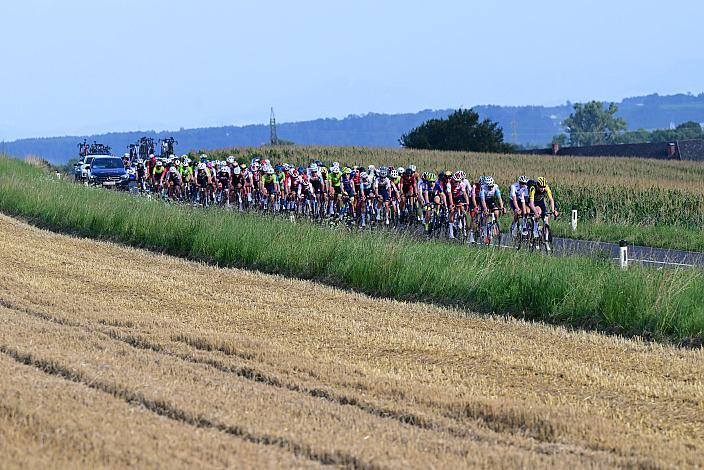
(623, 254)
(574, 220)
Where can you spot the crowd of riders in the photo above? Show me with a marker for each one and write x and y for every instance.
(449, 202)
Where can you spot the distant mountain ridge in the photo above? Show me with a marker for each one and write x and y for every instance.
(524, 125)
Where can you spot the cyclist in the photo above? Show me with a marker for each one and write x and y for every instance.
(366, 195)
(174, 183)
(270, 188)
(461, 188)
(335, 189)
(224, 181)
(157, 176)
(409, 193)
(537, 191)
(517, 202)
(141, 176)
(426, 195)
(382, 192)
(348, 191)
(203, 184)
(490, 197)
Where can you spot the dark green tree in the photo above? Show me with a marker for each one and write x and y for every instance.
(462, 130)
(594, 123)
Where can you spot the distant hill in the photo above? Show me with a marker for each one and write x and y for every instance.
(525, 125)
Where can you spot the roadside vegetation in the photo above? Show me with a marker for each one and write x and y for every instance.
(578, 291)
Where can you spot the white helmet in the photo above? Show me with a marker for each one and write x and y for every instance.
(335, 169)
(204, 156)
(313, 167)
(371, 168)
(172, 157)
(412, 167)
(176, 161)
(489, 181)
(394, 173)
(400, 170)
(225, 168)
(269, 170)
(126, 155)
(202, 166)
(336, 164)
(364, 175)
(522, 180)
(184, 156)
(236, 170)
(173, 169)
(231, 159)
(186, 161)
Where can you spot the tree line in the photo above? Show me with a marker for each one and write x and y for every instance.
(592, 123)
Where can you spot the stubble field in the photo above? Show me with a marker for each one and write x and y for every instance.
(115, 356)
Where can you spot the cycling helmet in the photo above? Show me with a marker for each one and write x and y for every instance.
(432, 177)
(424, 176)
(203, 158)
(265, 162)
(184, 156)
(231, 159)
(459, 175)
(209, 164)
(319, 163)
(542, 182)
(489, 181)
(140, 161)
(236, 170)
(347, 170)
(126, 155)
(269, 170)
(389, 169)
(323, 170)
(412, 168)
(394, 173)
(173, 170)
(177, 162)
(202, 166)
(371, 168)
(364, 175)
(279, 168)
(295, 173)
(159, 163)
(225, 169)
(287, 166)
(401, 170)
(335, 170)
(408, 172)
(313, 167)
(301, 170)
(523, 180)
(482, 179)
(383, 171)
(335, 164)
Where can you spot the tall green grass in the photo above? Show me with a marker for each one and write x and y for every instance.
(577, 291)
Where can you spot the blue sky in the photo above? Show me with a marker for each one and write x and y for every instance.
(85, 66)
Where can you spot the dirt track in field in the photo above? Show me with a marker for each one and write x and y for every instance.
(115, 356)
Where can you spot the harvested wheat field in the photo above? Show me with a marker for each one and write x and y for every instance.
(118, 357)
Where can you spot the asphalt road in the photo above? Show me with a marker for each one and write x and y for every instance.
(656, 257)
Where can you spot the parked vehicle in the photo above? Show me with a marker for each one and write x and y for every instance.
(106, 170)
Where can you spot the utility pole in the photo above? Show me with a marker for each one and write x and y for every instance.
(273, 139)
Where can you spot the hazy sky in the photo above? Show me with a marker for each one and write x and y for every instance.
(85, 66)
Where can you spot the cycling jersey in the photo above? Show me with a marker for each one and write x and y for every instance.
(493, 193)
(536, 196)
(335, 179)
(441, 187)
(269, 180)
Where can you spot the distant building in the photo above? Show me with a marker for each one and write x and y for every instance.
(675, 150)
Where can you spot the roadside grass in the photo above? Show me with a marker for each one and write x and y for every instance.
(580, 291)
